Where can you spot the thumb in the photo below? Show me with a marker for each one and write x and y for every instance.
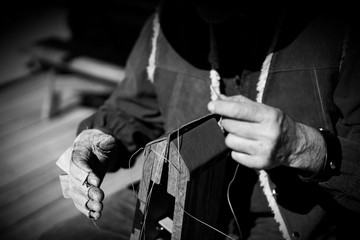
(103, 145)
(83, 148)
(104, 142)
(237, 98)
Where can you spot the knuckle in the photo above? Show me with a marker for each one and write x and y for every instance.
(230, 109)
(97, 207)
(273, 136)
(96, 194)
(272, 114)
(277, 116)
(93, 179)
(266, 149)
(94, 206)
(244, 110)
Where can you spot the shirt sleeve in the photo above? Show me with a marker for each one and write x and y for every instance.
(131, 113)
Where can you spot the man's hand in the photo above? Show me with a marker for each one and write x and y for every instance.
(263, 137)
(86, 162)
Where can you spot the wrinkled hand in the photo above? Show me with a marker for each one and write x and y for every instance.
(86, 163)
(263, 137)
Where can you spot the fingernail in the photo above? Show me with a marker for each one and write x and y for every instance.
(211, 106)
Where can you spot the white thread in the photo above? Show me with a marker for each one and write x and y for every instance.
(215, 90)
(215, 84)
(146, 213)
(229, 202)
(132, 180)
(95, 224)
(152, 59)
(217, 230)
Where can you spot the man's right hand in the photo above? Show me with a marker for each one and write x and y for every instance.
(85, 163)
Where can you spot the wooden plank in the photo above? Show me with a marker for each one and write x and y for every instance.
(15, 164)
(19, 124)
(35, 211)
(20, 104)
(19, 99)
(16, 110)
(94, 69)
(30, 193)
(13, 107)
(44, 129)
(80, 84)
(29, 182)
(39, 148)
(22, 86)
(36, 223)
(30, 203)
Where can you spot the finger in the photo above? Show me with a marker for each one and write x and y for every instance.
(251, 130)
(89, 201)
(243, 129)
(93, 179)
(80, 159)
(95, 138)
(104, 142)
(237, 98)
(88, 157)
(242, 145)
(248, 160)
(94, 215)
(247, 111)
(96, 194)
(94, 206)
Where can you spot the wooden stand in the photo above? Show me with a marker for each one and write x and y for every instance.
(184, 181)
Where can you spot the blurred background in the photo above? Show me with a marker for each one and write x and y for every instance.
(59, 60)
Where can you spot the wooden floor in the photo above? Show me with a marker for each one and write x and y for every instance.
(30, 143)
